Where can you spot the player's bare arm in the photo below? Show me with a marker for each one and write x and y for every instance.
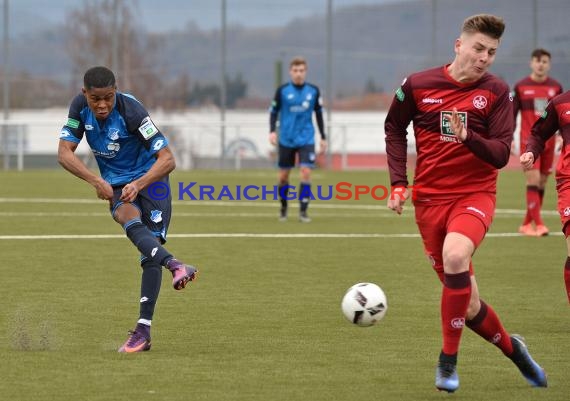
(164, 164)
(68, 160)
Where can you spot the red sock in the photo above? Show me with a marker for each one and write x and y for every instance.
(454, 302)
(527, 218)
(567, 277)
(533, 204)
(541, 196)
(488, 325)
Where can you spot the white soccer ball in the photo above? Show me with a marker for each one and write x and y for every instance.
(364, 304)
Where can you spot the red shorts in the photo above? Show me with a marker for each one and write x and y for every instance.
(470, 215)
(545, 160)
(564, 209)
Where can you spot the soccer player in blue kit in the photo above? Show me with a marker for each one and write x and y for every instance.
(132, 154)
(296, 101)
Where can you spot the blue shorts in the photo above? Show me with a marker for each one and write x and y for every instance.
(155, 213)
(287, 156)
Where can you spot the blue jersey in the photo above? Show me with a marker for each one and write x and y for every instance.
(124, 144)
(296, 103)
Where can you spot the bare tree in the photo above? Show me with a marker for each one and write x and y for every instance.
(102, 33)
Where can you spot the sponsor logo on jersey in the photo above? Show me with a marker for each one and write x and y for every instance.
(528, 92)
(72, 123)
(400, 94)
(113, 147)
(480, 102)
(432, 101)
(147, 128)
(445, 122)
(156, 216)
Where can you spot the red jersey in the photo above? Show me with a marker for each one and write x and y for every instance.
(556, 117)
(530, 98)
(447, 168)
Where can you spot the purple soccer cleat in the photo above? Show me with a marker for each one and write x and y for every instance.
(181, 273)
(138, 341)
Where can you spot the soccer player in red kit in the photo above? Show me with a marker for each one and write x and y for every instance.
(556, 117)
(463, 126)
(530, 96)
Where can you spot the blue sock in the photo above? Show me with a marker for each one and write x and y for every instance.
(150, 288)
(146, 243)
(304, 196)
(283, 192)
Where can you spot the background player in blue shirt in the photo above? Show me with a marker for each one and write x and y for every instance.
(296, 101)
(132, 154)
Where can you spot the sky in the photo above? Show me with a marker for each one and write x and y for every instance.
(160, 16)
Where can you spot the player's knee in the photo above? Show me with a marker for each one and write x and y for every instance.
(455, 261)
(126, 212)
(306, 174)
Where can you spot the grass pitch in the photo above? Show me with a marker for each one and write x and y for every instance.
(263, 322)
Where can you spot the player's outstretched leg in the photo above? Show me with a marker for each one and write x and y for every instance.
(181, 273)
(531, 370)
(138, 341)
(446, 378)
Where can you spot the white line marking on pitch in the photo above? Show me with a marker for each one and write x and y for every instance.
(238, 235)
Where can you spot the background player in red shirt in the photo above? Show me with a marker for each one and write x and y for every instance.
(463, 125)
(530, 96)
(555, 117)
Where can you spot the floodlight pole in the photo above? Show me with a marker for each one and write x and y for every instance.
(115, 38)
(223, 87)
(6, 84)
(433, 31)
(534, 24)
(329, 82)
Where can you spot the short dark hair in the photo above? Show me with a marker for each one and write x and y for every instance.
(538, 53)
(98, 77)
(487, 24)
